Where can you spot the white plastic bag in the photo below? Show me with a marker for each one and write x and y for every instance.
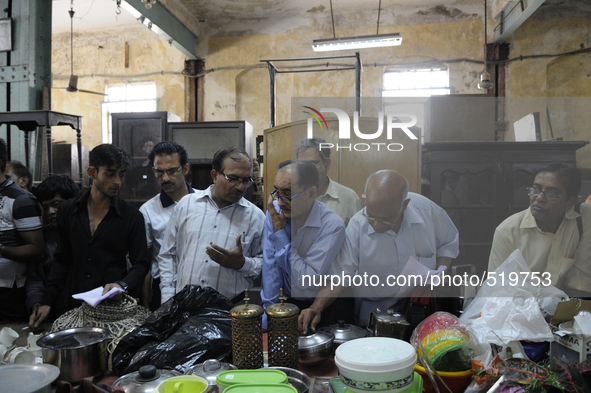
(547, 297)
(512, 315)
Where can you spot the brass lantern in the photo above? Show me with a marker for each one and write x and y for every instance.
(282, 334)
(247, 335)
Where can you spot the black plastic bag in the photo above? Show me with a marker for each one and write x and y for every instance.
(193, 326)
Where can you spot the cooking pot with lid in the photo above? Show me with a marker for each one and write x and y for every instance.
(209, 370)
(146, 380)
(344, 332)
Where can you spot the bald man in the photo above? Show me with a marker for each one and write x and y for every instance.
(394, 226)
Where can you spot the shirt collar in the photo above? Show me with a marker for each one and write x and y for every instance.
(6, 183)
(331, 191)
(207, 194)
(529, 221)
(116, 203)
(314, 218)
(168, 201)
(410, 217)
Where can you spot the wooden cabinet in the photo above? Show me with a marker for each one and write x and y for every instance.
(479, 184)
(136, 134)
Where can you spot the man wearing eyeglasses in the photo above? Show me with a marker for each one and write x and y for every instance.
(551, 234)
(214, 237)
(340, 199)
(395, 225)
(169, 162)
(302, 237)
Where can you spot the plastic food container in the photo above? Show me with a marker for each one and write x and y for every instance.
(183, 384)
(376, 364)
(250, 377)
(277, 388)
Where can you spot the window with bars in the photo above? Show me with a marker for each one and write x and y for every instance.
(128, 97)
(416, 82)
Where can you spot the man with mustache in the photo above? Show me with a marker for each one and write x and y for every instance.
(170, 165)
(551, 234)
(98, 230)
(214, 237)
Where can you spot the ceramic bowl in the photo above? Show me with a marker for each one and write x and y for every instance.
(376, 364)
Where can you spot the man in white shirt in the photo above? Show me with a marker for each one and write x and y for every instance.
(394, 226)
(340, 199)
(169, 162)
(215, 236)
(553, 237)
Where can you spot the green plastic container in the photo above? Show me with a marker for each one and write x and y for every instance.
(276, 388)
(230, 378)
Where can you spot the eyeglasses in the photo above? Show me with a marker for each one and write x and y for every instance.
(169, 172)
(235, 181)
(372, 219)
(550, 195)
(286, 199)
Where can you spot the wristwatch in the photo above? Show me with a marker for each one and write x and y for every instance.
(123, 285)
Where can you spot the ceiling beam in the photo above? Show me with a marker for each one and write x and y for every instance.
(164, 23)
(513, 15)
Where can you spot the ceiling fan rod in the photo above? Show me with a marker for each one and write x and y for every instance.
(71, 12)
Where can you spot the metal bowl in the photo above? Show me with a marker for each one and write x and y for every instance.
(295, 378)
(315, 348)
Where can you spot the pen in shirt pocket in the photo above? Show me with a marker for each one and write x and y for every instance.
(430, 255)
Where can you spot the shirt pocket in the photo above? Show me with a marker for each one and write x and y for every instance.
(427, 258)
(246, 242)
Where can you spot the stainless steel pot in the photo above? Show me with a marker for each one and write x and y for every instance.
(344, 332)
(315, 348)
(75, 352)
(146, 380)
(28, 378)
(210, 370)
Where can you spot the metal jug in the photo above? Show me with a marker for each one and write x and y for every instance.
(387, 324)
(465, 292)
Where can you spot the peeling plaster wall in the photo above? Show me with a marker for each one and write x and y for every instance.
(104, 53)
(562, 84)
(241, 91)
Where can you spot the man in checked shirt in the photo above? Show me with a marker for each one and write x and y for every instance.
(214, 238)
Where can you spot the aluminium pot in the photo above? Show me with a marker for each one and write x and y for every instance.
(145, 380)
(315, 348)
(75, 352)
(209, 370)
(344, 332)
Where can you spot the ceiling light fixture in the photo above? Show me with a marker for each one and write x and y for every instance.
(359, 42)
(485, 82)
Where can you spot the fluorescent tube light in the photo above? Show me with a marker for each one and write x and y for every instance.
(359, 42)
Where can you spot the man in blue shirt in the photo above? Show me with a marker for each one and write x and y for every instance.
(302, 236)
